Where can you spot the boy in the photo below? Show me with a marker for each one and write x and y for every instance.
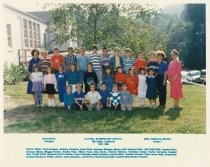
(126, 99)
(69, 59)
(105, 96)
(116, 60)
(45, 62)
(128, 60)
(93, 98)
(56, 60)
(105, 59)
(69, 98)
(115, 98)
(95, 60)
(79, 96)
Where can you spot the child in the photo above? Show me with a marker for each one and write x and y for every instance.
(126, 99)
(105, 93)
(120, 78)
(69, 98)
(128, 61)
(105, 60)
(95, 60)
(132, 81)
(90, 77)
(140, 62)
(56, 60)
(93, 98)
(142, 87)
(151, 87)
(79, 96)
(152, 62)
(115, 98)
(61, 83)
(37, 88)
(82, 62)
(108, 78)
(45, 62)
(50, 85)
(116, 60)
(73, 77)
(69, 59)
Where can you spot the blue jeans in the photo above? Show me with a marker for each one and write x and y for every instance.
(38, 98)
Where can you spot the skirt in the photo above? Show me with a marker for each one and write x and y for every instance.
(37, 87)
(50, 89)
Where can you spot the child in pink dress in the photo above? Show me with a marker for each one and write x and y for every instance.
(174, 77)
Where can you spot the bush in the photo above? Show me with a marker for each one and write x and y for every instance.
(14, 73)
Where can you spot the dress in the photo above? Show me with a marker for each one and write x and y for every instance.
(174, 68)
(32, 63)
(132, 84)
(151, 87)
(142, 86)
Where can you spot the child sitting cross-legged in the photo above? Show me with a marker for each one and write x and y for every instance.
(105, 93)
(126, 99)
(79, 96)
(115, 98)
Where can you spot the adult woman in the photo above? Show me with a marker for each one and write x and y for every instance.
(174, 77)
(34, 61)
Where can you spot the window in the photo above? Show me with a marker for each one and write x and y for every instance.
(25, 32)
(9, 35)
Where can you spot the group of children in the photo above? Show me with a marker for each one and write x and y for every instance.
(108, 82)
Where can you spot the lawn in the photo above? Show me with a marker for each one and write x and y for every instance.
(21, 116)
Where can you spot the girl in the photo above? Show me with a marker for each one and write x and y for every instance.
(152, 62)
(50, 85)
(89, 77)
(34, 61)
(69, 98)
(174, 77)
(38, 87)
(151, 87)
(142, 87)
(120, 78)
(108, 78)
(140, 62)
(115, 98)
(132, 82)
(73, 77)
(61, 83)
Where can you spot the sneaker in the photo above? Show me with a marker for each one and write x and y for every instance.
(62, 104)
(37, 105)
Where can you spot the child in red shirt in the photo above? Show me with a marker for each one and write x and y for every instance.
(140, 62)
(56, 60)
(120, 78)
(132, 81)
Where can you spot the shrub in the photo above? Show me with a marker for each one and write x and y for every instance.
(14, 73)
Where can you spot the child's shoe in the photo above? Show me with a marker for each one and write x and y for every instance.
(53, 102)
(49, 103)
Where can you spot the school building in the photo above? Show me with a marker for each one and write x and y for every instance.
(25, 31)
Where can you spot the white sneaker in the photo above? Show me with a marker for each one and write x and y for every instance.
(62, 104)
(53, 102)
(49, 103)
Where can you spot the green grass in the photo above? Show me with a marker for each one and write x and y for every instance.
(189, 118)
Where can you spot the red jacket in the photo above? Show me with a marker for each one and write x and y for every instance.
(120, 78)
(132, 84)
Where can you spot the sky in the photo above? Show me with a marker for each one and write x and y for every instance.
(40, 5)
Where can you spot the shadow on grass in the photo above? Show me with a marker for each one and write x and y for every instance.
(31, 119)
(173, 113)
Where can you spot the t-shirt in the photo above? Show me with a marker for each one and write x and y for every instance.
(162, 67)
(140, 63)
(104, 94)
(56, 60)
(125, 97)
(79, 96)
(37, 77)
(68, 99)
(44, 64)
(82, 62)
(93, 97)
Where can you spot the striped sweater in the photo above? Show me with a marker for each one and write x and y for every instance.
(95, 60)
(128, 62)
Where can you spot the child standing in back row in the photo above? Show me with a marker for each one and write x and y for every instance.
(151, 87)
(152, 62)
(128, 60)
(69, 59)
(50, 84)
(140, 62)
(142, 86)
(38, 86)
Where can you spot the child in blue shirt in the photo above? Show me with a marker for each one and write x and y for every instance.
(105, 93)
(108, 78)
(73, 77)
(69, 98)
(128, 61)
(69, 59)
(79, 96)
(61, 83)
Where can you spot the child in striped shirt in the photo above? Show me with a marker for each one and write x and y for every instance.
(115, 98)
(128, 60)
(95, 59)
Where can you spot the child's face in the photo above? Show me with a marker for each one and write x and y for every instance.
(68, 89)
(70, 51)
(60, 68)
(115, 88)
(94, 50)
(49, 70)
(108, 71)
(124, 87)
(160, 57)
(116, 53)
(79, 88)
(131, 72)
(151, 72)
(36, 54)
(56, 51)
(90, 68)
(103, 87)
(142, 72)
(152, 56)
(82, 52)
(140, 56)
(44, 55)
(36, 69)
(72, 67)
(128, 53)
(104, 51)
(92, 88)
(119, 70)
